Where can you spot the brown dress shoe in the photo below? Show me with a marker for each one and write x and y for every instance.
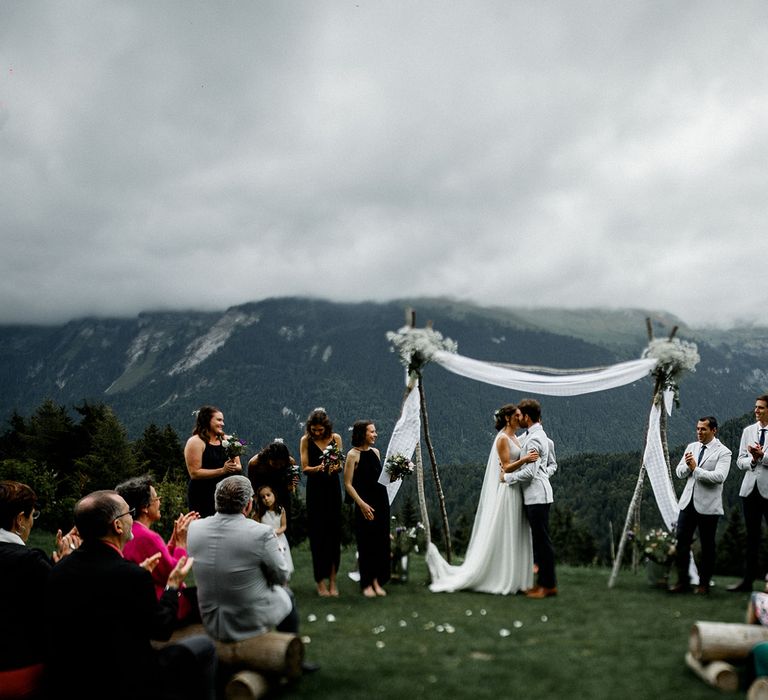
(541, 592)
(701, 590)
(680, 588)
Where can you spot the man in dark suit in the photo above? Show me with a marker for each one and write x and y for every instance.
(102, 611)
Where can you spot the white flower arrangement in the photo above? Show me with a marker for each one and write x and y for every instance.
(417, 346)
(674, 357)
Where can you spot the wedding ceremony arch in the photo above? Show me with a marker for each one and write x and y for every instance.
(666, 360)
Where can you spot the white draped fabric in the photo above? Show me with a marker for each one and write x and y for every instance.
(405, 437)
(557, 385)
(656, 466)
(499, 556)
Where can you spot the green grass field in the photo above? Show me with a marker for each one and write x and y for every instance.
(589, 642)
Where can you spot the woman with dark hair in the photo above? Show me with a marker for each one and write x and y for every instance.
(206, 460)
(274, 466)
(323, 496)
(140, 494)
(361, 479)
(499, 556)
(23, 577)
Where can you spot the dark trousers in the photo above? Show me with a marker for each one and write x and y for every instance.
(755, 509)
(543, 551)
(687, 524)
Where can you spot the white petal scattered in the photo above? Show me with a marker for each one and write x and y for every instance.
(380, 644)
(431, 679)
(544, 618)
(468, 613)
(439, 628)
(306, 639)
(504, 632)
(429, 625)
(379, 629)
(403, 623)
(450, 629)
(312, 617)
(414, 614)
(330, 618)
(517, 624)
(482, 611)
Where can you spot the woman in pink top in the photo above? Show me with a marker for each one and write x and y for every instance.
(139, 493)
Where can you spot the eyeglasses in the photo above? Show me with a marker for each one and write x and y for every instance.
(131, 512)
(35, 514)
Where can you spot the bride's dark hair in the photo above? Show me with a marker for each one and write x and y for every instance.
(500, 415)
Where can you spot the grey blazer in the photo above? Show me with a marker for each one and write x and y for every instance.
(233, 557)
(705, 483)
(534, 476)
(757, 474)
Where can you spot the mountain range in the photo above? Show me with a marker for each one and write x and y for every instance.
(267, 364)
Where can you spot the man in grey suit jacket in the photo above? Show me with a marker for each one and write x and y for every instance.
(704, 466)
(239, 569)
(533, 478)
(753, 461)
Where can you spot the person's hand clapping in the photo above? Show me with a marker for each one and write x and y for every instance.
(151, 562)
(66, 544)
(180, 571)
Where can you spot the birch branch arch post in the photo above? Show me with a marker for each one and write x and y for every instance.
(416, 347)
(674, 357)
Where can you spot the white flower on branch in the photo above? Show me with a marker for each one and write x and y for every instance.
(417, 346)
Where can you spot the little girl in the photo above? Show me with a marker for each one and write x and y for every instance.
(271, 513)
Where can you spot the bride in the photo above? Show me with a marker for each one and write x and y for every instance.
(499, 556)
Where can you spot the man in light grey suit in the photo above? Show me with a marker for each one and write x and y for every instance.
(704, 466)
(533, 478)
(753, 461)
(239, 569)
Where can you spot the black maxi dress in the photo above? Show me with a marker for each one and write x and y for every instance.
(323, 496)
(373, 541)
(200, 491)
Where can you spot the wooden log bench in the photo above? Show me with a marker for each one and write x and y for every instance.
(724, 641)
(256, 664)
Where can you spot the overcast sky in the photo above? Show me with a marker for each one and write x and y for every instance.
(176, 155)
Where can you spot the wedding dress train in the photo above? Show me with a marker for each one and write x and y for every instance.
(499, 556)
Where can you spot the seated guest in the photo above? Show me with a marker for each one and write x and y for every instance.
(23, 576)
(240, 570)
(140, 495)
(104, 611)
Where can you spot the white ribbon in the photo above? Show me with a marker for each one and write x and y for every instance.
(405, 437)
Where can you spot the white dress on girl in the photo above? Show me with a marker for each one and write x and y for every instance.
(274, 520)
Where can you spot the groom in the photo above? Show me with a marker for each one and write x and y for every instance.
(533, 478)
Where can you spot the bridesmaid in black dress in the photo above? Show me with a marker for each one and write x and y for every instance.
(206, 460)
(361, 479)
(323, 495)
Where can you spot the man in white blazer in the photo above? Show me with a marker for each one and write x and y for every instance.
(704, 466)
(240, 571)
(533, 478)
(753, 461)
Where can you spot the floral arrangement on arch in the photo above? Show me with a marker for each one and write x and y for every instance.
(406, 539)
(674, 357)
(233, 445)
(417, 346)
(398, 466)
(659, 546)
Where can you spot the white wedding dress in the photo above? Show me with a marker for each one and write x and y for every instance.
(499, 556)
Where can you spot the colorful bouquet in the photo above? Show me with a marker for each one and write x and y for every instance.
(659, 546)
(233, 445)
(398, 466)
(333, 458)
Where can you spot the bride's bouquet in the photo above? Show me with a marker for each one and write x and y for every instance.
(399, 466)
(333, 458)
(233, 445)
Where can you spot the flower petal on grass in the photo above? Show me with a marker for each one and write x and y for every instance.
(311, 617)
(504, 632)
(517, 624)
(330, 617)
